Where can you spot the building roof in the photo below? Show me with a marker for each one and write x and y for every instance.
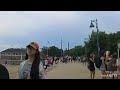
(19, 50)
(12, 50)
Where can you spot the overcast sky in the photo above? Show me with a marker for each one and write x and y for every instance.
(18, 28)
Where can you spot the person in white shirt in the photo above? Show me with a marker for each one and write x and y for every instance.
(118, 68)
(46, 63)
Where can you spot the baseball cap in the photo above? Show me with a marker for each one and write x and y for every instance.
(34, 45)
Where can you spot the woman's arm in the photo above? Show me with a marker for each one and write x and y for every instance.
(103, 61)
(93, 58)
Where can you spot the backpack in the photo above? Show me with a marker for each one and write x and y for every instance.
(98, 62)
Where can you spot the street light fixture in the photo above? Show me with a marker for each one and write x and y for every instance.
(86, 40)
(91, 26)
(61, 49)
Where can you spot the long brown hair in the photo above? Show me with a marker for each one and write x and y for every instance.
(34, 74)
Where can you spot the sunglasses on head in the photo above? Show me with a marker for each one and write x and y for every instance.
(30, 47)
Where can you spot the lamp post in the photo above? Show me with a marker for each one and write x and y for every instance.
(86, 40)
(68, 48)
(91, 25)
(48, 48)
(61, 49)
(118, 49)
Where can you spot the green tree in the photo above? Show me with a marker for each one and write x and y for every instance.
(52, 51)
(76, 51)
(44, 50)
(106, 41)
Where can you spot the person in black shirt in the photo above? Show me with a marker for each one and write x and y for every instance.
(91, 66)
(4, 74)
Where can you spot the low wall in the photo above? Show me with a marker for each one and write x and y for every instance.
(13, 62)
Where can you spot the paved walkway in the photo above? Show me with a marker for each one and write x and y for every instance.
(71, 71)
(60, 71)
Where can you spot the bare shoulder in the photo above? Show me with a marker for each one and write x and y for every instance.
(102, 58)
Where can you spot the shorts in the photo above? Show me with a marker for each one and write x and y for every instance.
(91, 68)
(102, 68)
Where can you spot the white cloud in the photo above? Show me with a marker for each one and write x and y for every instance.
(21, 23)
(6, 46)
(27, 23)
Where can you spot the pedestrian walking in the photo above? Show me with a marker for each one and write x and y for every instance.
(102, 67)
(91, 66)
(118, 68)
(5, 62)
(112, 65)
(107, 58)
(46, 64)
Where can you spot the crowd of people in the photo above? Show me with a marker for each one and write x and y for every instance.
(109, 65)
(34, 68)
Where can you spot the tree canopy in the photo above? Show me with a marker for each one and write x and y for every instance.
(106, 42)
